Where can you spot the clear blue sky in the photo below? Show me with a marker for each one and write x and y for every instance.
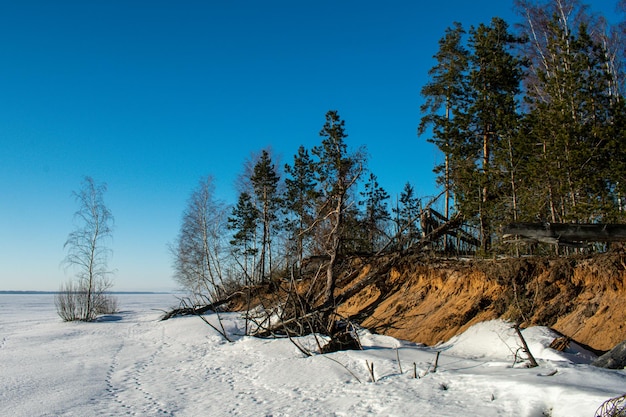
(149, 96)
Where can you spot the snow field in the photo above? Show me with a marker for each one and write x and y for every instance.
(132, 364)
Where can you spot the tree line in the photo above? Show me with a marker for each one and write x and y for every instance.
(530, 123)
(324, 202)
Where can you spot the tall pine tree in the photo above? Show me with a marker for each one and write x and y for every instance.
(444, 96)
(265, 185)
(337, 172)
(490, 121)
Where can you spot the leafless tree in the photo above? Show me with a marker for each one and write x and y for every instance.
(198, 251)
(88, 255)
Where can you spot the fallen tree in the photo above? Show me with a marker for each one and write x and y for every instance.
(195, 310)
(566, 234)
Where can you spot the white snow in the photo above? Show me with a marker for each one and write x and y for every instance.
(132, 364)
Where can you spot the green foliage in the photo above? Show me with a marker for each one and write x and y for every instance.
(573, 118)
(265, 185)
(336, 172)
(531, 126)
(560, 156)
(243, 222)
(407, 215)
(299, 201)
(376, 214)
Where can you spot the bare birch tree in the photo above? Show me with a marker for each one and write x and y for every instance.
(198, 251)
(88, 254)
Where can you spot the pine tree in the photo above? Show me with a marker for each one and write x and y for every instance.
(265, 184)
(243, 222)
(300, 199)
(574, 111)
(445, 92)
(491, 118)
(376, 214)
(407, 217)
(478, 87)
(336, 171)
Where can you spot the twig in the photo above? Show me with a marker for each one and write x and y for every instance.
(370, 368)
(304, 351)
(436, 362)
(222, 332)
(344, 366)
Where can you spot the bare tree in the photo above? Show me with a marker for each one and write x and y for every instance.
(199, 247)
(88, 254)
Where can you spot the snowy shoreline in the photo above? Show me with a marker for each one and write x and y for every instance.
(137, 365)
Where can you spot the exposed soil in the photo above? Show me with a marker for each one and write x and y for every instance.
(429, 300)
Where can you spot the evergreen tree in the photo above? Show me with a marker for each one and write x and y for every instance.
(376, 214)
(478, 87)
(243, 222)
(490, 121)
(573, 113)
(300, 199)
(265, 184)
(407, 217)
(445, 92)
(336, 171)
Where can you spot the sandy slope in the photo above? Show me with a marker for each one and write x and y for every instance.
(429, 300)
(132, 364)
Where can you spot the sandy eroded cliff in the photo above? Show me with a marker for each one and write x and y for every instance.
(429, 300)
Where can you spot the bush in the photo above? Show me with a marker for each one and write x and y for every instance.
(105, 304)
(72, 303)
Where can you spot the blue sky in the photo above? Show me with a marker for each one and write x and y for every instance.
(149, 96)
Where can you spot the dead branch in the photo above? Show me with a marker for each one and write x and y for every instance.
(531, 358)
(198, 310)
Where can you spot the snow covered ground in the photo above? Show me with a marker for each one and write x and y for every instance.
(133, 364)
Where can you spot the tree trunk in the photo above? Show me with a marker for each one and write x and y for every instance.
(335, 238)
(531, 358)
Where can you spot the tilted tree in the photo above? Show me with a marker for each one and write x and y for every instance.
(88, 254)
(337, 171)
